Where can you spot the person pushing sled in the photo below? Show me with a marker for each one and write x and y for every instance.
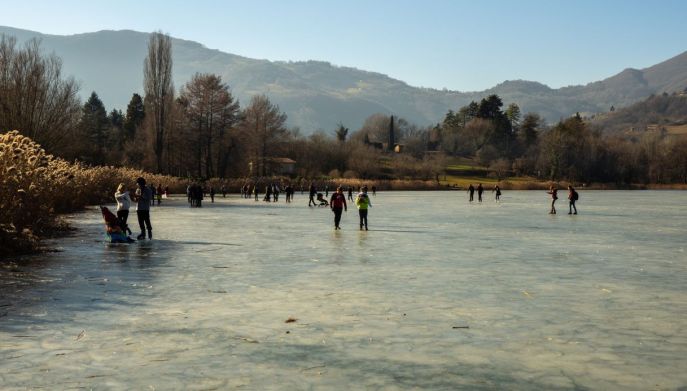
(113, 227)
(323, 201)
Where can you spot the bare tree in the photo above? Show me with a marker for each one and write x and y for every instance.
(159, 89)
(364, 160)
(211, 112)
(677, 154)
(34, 98)
(376, 127)
(415, 141)
(179, 154)
(478, 132)
(500, 168)
(264, 128)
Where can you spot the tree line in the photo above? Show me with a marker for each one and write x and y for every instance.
(201, 130)
(573, 149)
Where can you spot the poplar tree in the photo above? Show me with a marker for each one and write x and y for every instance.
(159, 90)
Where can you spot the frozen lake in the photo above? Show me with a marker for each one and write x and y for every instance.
(439, 294)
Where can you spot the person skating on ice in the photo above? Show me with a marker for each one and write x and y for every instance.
(362, 201)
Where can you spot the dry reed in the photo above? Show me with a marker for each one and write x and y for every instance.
(36, 187)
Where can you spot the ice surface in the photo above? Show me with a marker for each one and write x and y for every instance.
(439, 294)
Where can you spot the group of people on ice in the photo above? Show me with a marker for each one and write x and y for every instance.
(480, 190)
(116, 226)
(272, 191)
(573, 196)
(338, 205)
(145, 196)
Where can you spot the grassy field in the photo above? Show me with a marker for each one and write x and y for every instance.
(461, 172)
(677, 130)
(458, 164)
(463, 182)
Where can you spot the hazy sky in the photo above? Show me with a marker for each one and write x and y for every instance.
(459, 45)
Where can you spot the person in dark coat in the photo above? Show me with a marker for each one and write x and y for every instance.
(497, 190)
(554, 196)
(268, 193)
(572, 197)
(144, 196)
(338, 205)
(313, 194)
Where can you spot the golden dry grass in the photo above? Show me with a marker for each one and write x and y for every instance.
(37, 186)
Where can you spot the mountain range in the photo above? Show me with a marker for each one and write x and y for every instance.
(317, 95)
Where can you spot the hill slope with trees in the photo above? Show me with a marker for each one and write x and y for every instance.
(318, 95)
(663, 111)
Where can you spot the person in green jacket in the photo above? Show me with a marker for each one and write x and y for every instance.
(362, 201)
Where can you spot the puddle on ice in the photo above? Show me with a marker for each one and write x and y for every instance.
(439, 294)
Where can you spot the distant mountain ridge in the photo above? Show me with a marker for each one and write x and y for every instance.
(317, 95)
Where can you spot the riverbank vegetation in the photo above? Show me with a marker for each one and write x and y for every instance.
(37, 187)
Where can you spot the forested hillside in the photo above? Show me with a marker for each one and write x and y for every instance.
(656, 112)
(317, 95)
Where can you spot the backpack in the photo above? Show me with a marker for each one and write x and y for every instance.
(575, 196)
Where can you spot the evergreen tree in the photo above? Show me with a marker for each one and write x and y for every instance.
(450, 120)
(115, 140)
(116, 119)
(529, 130)
(135, 113)
(465, 114)
(341, 133)
(94, 128)
(513, 115)
(490, 107)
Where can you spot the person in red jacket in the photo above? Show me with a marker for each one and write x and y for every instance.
(338, 204)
